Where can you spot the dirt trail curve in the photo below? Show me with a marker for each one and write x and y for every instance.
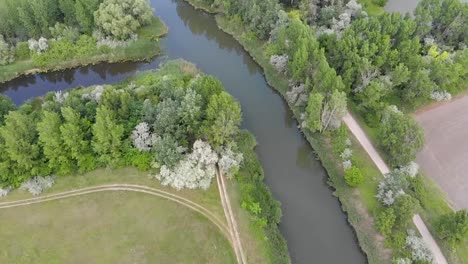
(125, 187)
(418, 222)
(232, 223)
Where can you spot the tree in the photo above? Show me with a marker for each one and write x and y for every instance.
(223, 117)
(76, 137)
(84, 12)
(50, 139)
(6, 105)
(314, 112)
(20, 139)
(67, 7)
(354, 176)
(453, 227)
(7, 53)
(107, 136)
(334, 110)
(121, 18)
(401, 136)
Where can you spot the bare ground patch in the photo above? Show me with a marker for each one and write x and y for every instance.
(445, 154)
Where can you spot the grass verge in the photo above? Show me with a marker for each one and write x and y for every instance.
(143, 49)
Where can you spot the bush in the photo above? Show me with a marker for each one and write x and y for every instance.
(38, 184)
(22, 51)
(405, 206)
(385, 221)
(7, 53)
(419, 250)
(380, 2)
(453, 227)
(353, 176)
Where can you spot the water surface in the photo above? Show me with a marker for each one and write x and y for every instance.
(312, 223)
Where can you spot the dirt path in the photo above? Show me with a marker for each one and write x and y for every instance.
(374, 155)
(232, 223)
(126, 187)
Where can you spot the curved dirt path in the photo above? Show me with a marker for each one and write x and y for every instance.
(383, 168)
(232, 223)
(125, 187)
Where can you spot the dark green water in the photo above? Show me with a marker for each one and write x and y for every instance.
(312, 223)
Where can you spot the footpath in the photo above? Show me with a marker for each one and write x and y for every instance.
(361, 136)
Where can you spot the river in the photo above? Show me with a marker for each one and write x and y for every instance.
(313, 223)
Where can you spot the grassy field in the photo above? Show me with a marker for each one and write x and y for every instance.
(120, 227)
(112, 227)
(145, 48)
(371, 8)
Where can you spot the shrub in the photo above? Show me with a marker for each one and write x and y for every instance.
(404, 207)
(22, 51)
(353, 176)
(4, 191)
(453, 227)
(380, 2)
(391, 187)
(37, 184)
(419, 249)
(7, 53)
(385, 221)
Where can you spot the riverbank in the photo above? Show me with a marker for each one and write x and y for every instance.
(144, 48)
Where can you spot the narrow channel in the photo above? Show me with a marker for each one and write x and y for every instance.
(313, 222)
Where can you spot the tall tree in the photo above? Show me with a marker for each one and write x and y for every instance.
(107, 137)
(223, 117)
(50, 139)
(76, 136)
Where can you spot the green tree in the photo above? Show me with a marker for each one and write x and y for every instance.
(107, 137)
(67, 7)
(223, 117)
(20, 139)
(354, 176)
(76, 137)
(121, 18)
(453, 227)
(50, 139)
(84, 12)
(314, 112)
(6, 105)
(400, 136)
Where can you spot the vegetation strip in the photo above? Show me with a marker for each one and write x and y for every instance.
(124, 187)
(373, 154)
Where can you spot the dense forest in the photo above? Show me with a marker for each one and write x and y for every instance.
(46, 33)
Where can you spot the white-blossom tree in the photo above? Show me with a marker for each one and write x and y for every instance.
(229, 162)
(60, 96)
(280, 62)
(95, 94)
(39, 46)
(142, 137)
(392, 186)
(196, 170)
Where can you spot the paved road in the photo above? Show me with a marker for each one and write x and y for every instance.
(418, 222)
